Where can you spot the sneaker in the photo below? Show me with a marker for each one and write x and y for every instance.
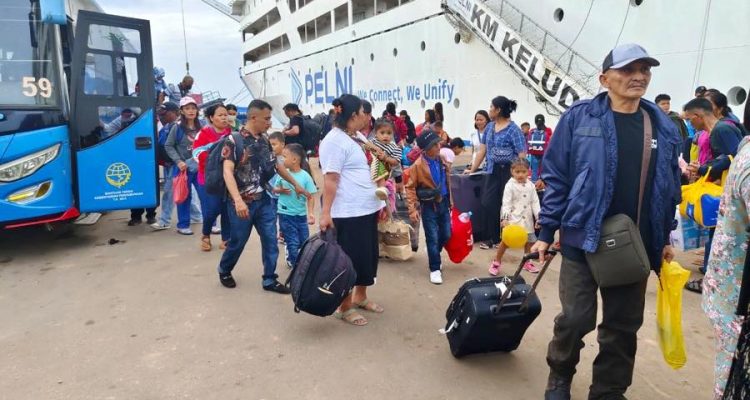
(277, 287)
(215, 230)
(436, 277)
(134, 222)
(184, 231)
(494, 268)
(530, 267)
(150, 221)
(159, 227)
(227, 280)
(196, 221)
(381, 193)
(557, 389)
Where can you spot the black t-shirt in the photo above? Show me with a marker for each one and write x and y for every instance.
(629, 129)
(298, 122)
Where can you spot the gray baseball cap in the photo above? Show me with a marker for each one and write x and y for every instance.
(625, 54)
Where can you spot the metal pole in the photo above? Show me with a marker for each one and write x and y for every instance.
(184, 37)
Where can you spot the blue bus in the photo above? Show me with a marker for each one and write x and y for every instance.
(77, 126)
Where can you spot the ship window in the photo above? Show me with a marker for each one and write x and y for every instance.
(382, 6)
(362, 9)
(736, 95)
(372, 57)
(341, 16)
(422, 104)
(558, 15)
(275, 46)
(456, 103)
(263, 23)
(636, 3)
(457, 38)
(303, 3)
(315, 28)
(395, 52)
(423, 46)
(352, 60)
(292, 5)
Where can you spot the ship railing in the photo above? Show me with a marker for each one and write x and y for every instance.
(562, 55)
(557, 74)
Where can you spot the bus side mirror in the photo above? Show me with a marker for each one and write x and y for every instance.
(53, 12)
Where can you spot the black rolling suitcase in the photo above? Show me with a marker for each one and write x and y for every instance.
(482, 318)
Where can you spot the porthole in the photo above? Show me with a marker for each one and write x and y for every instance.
(299, 73)
(322, 69)
(456, 103)
(372, 57)
(395, 52)
(457, 38)
(336, 64)
(309, 71)
(558, 15)
(423, 46)
(736, 96)
(636, 3)
(422, 104)
(352, 60)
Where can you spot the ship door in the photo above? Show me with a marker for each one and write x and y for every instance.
(112, 113)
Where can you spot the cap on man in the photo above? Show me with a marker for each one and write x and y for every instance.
(613, 155)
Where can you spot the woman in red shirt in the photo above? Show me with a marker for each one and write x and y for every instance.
(211, 205)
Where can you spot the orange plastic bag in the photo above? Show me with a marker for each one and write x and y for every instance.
(180, 187)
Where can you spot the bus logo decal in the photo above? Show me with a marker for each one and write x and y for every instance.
(118, 174)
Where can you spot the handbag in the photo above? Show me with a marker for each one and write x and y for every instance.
(620, 257)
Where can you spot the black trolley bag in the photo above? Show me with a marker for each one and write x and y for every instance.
(323, 275)
(482, 319)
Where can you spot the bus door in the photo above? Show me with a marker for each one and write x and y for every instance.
(112, 113)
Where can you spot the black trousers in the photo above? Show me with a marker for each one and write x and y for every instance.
(622, 309)
(492, 201)
(137, 213)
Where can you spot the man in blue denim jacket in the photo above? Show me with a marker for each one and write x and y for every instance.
(592, 170)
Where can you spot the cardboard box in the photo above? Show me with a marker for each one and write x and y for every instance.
(688, 234)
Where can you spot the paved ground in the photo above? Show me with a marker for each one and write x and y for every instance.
(147, 319)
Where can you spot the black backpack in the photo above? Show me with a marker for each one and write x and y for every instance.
(214, 173)
(162, 157)
(323, 276)
(311, 129)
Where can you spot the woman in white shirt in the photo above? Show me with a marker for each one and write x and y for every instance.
(349, 202)
(481, 119)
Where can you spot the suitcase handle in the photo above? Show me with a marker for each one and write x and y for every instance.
(496, 308)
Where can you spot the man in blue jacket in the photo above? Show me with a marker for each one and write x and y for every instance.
(592, 171)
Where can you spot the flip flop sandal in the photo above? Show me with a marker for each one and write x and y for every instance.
(206, 243)
(695, 286)
(373, 307)
(351, 316)
(223, 244)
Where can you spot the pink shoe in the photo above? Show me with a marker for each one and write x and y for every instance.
(530, 267)
(494, 268)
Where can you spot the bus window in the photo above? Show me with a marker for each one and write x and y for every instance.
(126, 77)
(112, 120)
(98, 75)
(110, 38)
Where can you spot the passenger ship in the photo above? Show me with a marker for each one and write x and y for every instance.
(545, 54)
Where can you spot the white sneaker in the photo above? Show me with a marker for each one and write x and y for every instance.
(215, 230)
(159, 227)
(184, 231)
(436, 277)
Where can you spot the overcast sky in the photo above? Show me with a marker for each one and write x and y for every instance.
(213, 39)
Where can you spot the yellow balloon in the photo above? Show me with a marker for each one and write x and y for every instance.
(515, 236)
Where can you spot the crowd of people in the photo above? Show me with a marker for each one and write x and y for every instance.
(616, 154)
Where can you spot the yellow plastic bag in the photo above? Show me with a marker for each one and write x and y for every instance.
(700, 201)
(669, 313)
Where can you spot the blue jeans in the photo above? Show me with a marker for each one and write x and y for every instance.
(295, 231)
(263, 218)
(212, 206)
(167, 200)
(436, 220)
(183, 209)
(707, 249)
(534, 162)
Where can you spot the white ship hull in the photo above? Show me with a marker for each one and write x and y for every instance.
(384, 61)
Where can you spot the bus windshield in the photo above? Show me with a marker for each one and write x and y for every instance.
(28, 59)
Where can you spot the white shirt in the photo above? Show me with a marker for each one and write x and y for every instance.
(475, 143)
(355, 195)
